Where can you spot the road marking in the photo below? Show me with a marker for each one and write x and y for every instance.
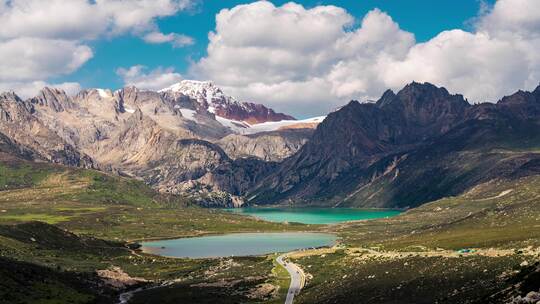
(298, 278)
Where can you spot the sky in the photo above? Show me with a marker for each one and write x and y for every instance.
(305, 58)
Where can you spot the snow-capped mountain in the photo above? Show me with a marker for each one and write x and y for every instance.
(205, 96)
(186, 138)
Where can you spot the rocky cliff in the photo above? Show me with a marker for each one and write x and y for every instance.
(23, 131)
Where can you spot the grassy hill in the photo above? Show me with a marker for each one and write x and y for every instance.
(106, 206)
(473, 248)
(59, 226)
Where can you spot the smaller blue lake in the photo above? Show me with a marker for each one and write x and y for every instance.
(238, 244)
(315, 215)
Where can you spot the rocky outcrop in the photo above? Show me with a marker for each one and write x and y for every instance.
(55, 99)
(226, 184)
(8, 147)
(249, 112)
(268, 146)
(20, 125)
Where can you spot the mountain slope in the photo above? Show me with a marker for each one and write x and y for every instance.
(408, 148)
(166, 138)
(23, 129)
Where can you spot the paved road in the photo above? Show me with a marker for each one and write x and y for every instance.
(298, 278)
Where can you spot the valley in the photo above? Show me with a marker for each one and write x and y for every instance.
(269, 152)
(499, 230)
(454, 190)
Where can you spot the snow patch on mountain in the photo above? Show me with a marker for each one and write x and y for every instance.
(205, 92)
(276, 125)
(188, 114)
(104, 93)
(244, 128)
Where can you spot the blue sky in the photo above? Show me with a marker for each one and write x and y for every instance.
(424, 18)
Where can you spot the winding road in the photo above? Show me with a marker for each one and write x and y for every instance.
(298, 278)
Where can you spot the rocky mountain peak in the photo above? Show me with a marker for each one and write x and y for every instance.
(95, 93)
(12, 106)
(5, 99)
(394, 140)
(525, 105)
(202, 96)
(424, 104)
(205, 96)
(426, 93)
(9, 96)
(55, 99)
(386, 98)
(520, 97)
(537, 93)
(127, 93)
(204, 92)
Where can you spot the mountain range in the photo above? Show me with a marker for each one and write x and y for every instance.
(192, 138)
(409, 148)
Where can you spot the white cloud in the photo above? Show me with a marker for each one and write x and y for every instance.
(154, 80)
(480, 67)
(42, 39)
(83, 19)
(261, 43)
(512, 17)
(138, 15)
(36, 58)
(177, 40)
(299, 59)
(55, 19)
(310, 96)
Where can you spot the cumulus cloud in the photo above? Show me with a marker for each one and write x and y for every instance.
(299, 59)
(38, 58)
(42, 39)
(156, 79)
(83, 19)
(138, 15)
(177, 40)
(512, 17)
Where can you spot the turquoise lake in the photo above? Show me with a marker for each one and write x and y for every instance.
(238, 244)
(315, 215)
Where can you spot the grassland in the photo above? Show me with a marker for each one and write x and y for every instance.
(346, 278)
(42, 205)
(86, 217)
(109, 207)
(502, 214)
(414, 257)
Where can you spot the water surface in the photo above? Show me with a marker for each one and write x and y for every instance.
(315, 215)
(238, 244)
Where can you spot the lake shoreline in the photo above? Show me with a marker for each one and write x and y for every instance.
(314, 216)
(238, 244)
